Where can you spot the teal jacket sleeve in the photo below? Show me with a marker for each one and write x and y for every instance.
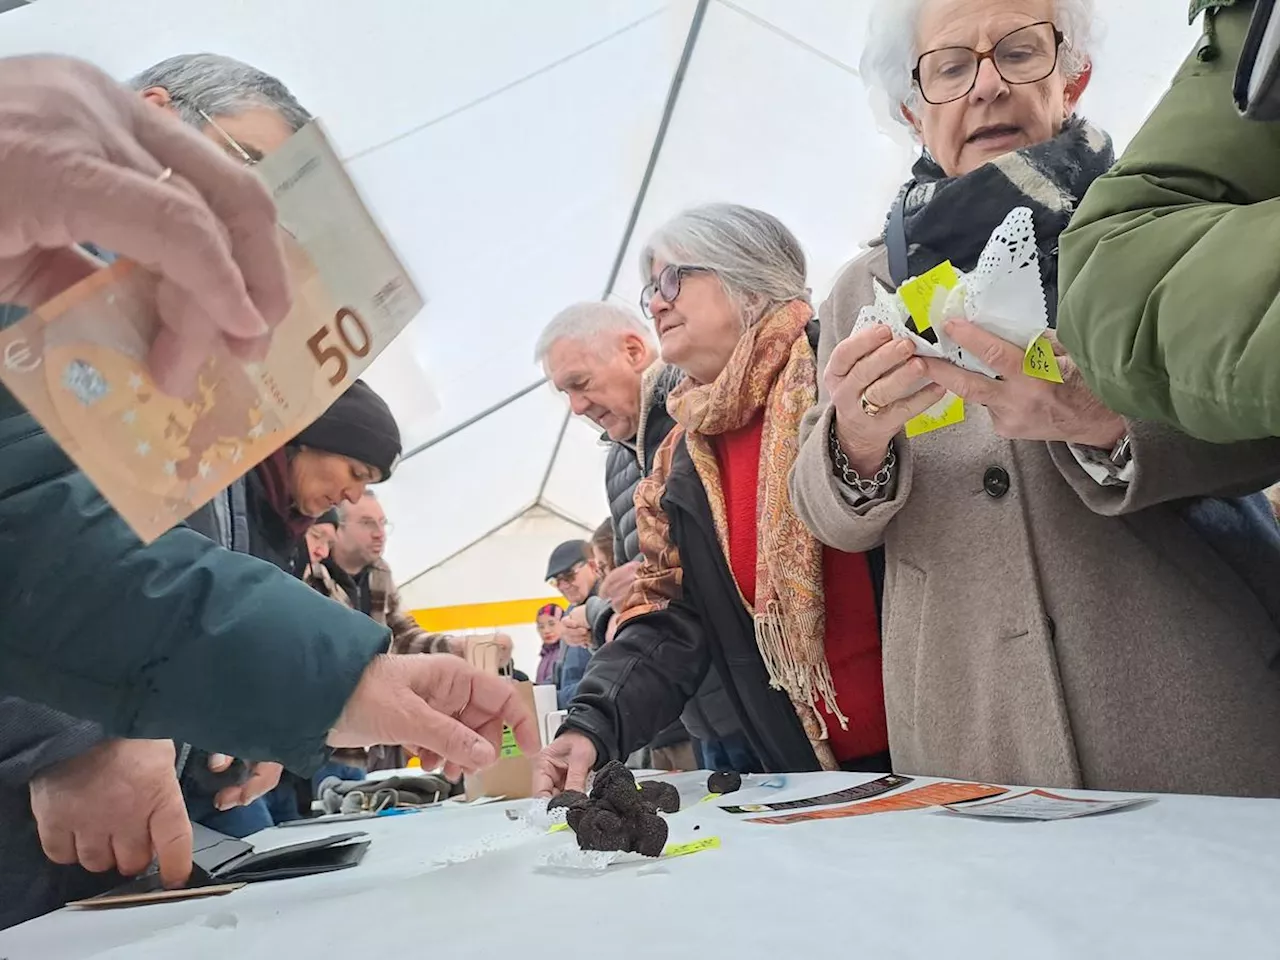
(177, 639)
(1169, 284)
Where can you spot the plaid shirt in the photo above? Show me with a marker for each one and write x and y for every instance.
(384, 607)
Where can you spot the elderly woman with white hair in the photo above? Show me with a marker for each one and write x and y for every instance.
(730, 576)
(1070, 599)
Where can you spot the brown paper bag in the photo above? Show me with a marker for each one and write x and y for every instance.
(512, 775)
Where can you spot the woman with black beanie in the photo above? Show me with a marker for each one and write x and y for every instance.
(354, 443)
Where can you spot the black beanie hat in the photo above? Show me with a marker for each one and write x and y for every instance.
(358, 425)
(331, 517)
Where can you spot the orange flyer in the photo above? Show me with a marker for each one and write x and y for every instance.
(933, 795)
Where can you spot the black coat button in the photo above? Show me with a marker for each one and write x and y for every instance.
(996, 482)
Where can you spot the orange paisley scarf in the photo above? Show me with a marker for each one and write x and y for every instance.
(773, 370)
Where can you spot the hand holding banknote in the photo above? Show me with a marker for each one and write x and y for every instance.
(82, 159)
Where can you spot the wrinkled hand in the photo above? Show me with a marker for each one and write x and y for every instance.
(887, 371)
(262, 779)
(564, 765)
(1024, 407)
(616, 587)
(79, 160)
(114, 807)
(574, 629)
(438, 707)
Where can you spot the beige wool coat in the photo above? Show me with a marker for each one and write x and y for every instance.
(1043, 629)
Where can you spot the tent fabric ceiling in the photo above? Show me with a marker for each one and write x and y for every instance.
(503, 145)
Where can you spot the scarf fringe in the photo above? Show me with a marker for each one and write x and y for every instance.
(804, 683)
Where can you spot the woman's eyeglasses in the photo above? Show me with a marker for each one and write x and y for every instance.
(667, 284)
(1027, 55)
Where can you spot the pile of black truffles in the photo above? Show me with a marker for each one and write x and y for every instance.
(618, 815)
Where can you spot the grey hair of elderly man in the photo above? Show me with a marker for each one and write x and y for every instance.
(891, 50)
(244, 110)
(220, 86)
(596, 354)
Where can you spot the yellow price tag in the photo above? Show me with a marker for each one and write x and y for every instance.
(1040, 361)
(709, 797)
(558, 828)
(684, 849)
(509, 746)
(918, 293)
(936, 418)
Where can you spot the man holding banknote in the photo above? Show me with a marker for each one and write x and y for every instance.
(148, 640)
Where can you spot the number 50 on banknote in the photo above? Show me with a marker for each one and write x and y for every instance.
(78, 362)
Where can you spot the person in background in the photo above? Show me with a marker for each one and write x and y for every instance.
(353, 443)
(321, 537)
(148, 640)
(572, 571)
(730, 574)
(1182, 225)
(355, 575)
(605, 361)
(548, 625)
(1073, 598)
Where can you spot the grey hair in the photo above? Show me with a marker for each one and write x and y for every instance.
(759, 262)
(891, 51)
(586, 321)
(221, 87)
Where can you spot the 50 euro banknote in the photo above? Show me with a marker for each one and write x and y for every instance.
(78, 362)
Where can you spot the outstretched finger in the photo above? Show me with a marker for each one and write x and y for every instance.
(548, 776)
(576, 776)
(497, 697)
(453, 740)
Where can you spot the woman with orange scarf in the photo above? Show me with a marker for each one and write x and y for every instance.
(731, 579)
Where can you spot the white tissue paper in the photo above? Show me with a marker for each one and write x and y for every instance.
(1003, 295)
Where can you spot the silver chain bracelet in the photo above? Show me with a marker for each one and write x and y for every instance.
(851, 478)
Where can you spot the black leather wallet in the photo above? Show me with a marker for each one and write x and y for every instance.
(219, 859)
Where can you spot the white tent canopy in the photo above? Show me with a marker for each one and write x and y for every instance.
(504, 146)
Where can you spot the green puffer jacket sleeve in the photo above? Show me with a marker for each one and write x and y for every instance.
(1170, 273)
(179, 639)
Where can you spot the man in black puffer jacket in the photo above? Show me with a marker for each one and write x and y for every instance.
(601, 356)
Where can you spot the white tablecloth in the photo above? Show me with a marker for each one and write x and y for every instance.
(1183, 877)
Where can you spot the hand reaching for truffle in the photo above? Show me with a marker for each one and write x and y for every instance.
(564, 765)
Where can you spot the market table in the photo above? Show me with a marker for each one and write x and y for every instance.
(1180, 877)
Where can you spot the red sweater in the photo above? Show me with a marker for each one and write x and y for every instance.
(853, 628)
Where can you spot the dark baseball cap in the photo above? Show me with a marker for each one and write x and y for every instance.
(567, 556)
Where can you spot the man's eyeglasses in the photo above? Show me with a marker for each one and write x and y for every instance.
(1027, 55)
(369, 525)
(667, 284)
(250, 157)
(567, 578)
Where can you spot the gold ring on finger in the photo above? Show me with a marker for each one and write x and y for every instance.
(869, 408)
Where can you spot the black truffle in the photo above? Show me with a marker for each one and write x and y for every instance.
(570, 798)
(618, 816)
(723, 783)
(662, 795)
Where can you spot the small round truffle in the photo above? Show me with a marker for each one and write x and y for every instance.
(724, 782)
(661, 794)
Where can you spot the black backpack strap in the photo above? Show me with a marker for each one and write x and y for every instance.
(895, 239)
